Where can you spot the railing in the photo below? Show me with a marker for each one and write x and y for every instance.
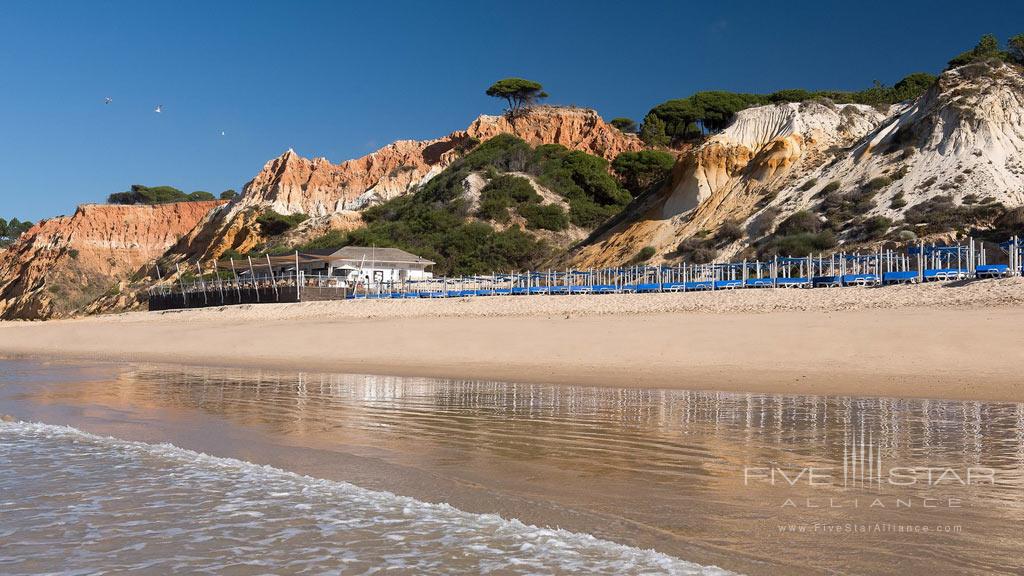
(914, 264)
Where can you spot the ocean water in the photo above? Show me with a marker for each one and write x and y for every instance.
(78, 503)
(303, 473)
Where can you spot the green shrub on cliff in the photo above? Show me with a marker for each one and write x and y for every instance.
(139, 194)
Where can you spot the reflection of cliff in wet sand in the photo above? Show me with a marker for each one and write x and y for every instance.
(925, 341)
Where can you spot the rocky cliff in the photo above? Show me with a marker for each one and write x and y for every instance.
(765, 150)
(291, 184)
(63, 264)
(962, 142)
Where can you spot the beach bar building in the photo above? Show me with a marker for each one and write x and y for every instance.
(372, 266)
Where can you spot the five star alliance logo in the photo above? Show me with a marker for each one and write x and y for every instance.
(862, 461)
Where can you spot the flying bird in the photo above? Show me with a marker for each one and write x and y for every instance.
(222, 133)
(108, 100)
(159, 108)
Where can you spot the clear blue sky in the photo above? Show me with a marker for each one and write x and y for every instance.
(339, 79)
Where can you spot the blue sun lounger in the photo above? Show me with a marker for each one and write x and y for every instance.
(992, 271)
(538, 290)
(827, 281)
(798, 282)
(604, 288)
(860, 280)
(580, 289)
(759, 283)
(698, 286)
(519, 290)
(648, 288)
(503, 292)
(728, 284)
(939, 274)
(907, 277)
(558, 290)
(674, 287)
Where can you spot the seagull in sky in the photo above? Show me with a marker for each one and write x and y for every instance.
(108, 100)
(159, 108)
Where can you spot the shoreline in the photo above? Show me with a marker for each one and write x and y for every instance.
(961, 343)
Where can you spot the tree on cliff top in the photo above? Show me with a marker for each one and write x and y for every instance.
(518, 92)
(140, 194)
(9, 231)
(627, 125)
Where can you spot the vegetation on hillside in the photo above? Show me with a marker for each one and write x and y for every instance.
(641, 170)
(437, 221)
(988, 49)
(520, 94)
(273, 224)
(140, 194)
(709, 112)
(11, 229)
(625, 125)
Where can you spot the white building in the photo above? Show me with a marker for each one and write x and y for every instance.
(372, 266)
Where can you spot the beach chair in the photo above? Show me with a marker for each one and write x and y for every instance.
(797, 282)
(862, 280)
(992, 271)
(907, 277)
(698, 286)
(759, 283)
(728, 284)
(943, 274)
(827, 281)
(648, 288)
(674, 287)
(604, 289)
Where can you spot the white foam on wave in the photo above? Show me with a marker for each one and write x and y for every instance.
(406, 533)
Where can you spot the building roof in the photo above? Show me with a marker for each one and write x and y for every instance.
(379, 255)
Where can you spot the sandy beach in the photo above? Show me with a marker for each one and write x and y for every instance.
(955, 341)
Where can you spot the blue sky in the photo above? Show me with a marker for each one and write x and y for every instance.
(339, 79)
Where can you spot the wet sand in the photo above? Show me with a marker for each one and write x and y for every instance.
(958, 342)
(659, 469)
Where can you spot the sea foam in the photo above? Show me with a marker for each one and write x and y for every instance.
(75, 501)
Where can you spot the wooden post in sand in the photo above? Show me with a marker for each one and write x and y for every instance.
(202, 282)
(252, 276)
(238, 286)
(298, 291)
(920, 262)
(273, 281)
(220, 283)
(181, 282)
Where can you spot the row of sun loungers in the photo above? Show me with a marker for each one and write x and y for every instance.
(889, 278)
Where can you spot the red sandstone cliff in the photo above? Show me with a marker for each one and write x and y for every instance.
(61, 265)
(291, 184)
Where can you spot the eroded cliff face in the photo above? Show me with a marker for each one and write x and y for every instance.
(962, 139)
(63, 264)
(291, 184)
(767, 149)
